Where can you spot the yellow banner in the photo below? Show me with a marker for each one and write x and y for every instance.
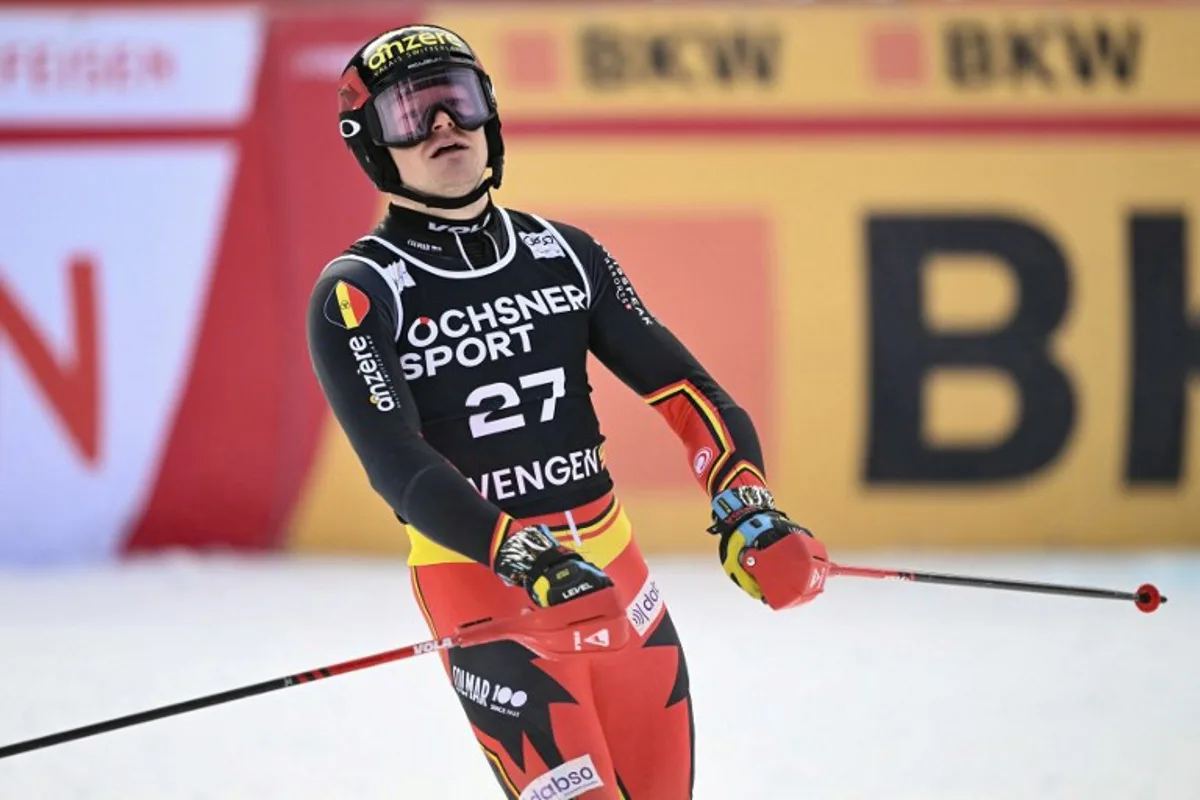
(596, 60)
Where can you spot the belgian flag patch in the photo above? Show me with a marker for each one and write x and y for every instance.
(346, 305)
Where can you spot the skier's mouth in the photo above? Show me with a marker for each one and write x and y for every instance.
(448, 148)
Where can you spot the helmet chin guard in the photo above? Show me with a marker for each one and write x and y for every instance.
(398, 55)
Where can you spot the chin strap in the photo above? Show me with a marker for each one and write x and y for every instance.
(434, 201)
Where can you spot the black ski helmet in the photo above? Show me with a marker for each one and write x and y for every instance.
(403, 54)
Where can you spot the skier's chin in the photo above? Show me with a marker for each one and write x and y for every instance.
(451, 185)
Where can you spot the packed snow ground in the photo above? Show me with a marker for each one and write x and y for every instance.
(878, 690)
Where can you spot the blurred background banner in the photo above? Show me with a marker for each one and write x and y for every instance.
(943, 254)
(119, 162)
(597, 60)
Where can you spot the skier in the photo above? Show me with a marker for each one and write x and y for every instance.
(451, 344)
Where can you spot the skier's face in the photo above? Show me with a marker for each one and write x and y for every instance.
(449, 163)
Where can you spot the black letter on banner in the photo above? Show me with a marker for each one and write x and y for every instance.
(1099, 50)
(1026, 48)
(605, 65)
(664, 53)
(904, 350)
(968, 54)
(1165, 348)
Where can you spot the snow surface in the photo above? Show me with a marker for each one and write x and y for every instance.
(877, 690)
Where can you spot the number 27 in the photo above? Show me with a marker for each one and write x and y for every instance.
(483, 423)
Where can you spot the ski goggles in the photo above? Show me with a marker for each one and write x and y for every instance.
(403, 112)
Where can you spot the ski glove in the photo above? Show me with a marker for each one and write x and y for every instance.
(767, 555)
(549, 572)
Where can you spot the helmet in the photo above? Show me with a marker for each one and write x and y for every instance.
(393, 87)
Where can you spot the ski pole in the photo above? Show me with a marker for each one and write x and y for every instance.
(1147, 597)
(592, 623)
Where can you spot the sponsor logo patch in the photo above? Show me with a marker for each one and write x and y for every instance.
(398, 268)
(394, 46)
(543, 245)
(599, 639)
(624, 291)
(646, 608)
(493, 696)
(370, 367)
(564, 781)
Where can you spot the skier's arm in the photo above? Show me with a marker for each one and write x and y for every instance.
(351, 329)
(789, 564)
(722, 445)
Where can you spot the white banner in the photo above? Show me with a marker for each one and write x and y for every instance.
(105, 262)
(128, 67)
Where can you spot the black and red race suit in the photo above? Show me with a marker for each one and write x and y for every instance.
(454, 355)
